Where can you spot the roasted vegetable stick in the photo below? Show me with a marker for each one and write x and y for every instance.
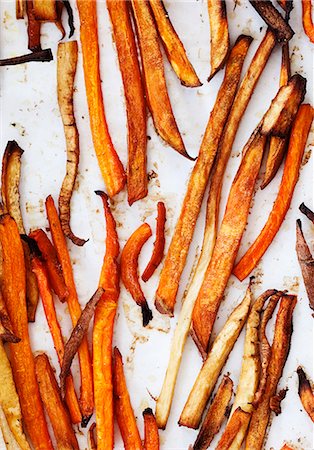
(19, 9)
(306, 393)
(279, 353)
(219, 35)
(40, 55)
(154, 77)
(205, 382)
(33, 28)
(183, 234)
(173, 46)
(6, 330)
(91, 437)
(134, 98)
(23, 367)
(123, 408)
(6, 435)
(274, 19)
(307, 212)
(307, 19)
(159, 244)
(151, 436)
(298, 138)
(215, 415)
(66, 68)
(306, 263)
(129, 268)
(45, 10)
(50, 395)
(238, 420)
(86, 399)
(9, 402)
(108, 160)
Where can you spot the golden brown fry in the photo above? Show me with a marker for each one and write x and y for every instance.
(215, 415)
(45, 10)
(238, 419)
(173, 46)
(6, 330)
(305, 259)
(19, 9)
(274, 19)
(306, 393)
(151, 436)
(219, 35)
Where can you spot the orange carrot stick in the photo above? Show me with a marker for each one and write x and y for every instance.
(151, 436)
(307, 19)
(298, 138)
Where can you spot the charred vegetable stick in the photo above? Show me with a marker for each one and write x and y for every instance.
(215, 416)
(19, 9)
(45, 10)
(238, 420)
(23, 367)
(76, 338)
(10, 404)
(205, 382)
(129, 268)
(50, 395)
(219, 35)
(298, 138)
(306, 393)
(87, 398)
(41, 56)
(66, 68)
(54, 327)
(173, 46)
(50, 258)
(91, 437)
(151, 436)
(154, 77)
(134, 97)
(103, 334)
(274, 19)
(33, 28)
(306, 263)
(307, 19)
(123, 408)
(183, 234)
(6, 330)
(307, 212)
(108, 160)
(159, 244)
(279, 353)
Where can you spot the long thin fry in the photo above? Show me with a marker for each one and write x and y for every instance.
(307, 19)
(219, 35)
(306, 393)
(33, 28)
(274, 19)
(151, 435)
(183, 234)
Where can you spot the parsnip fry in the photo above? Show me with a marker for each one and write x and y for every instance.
(306, 393)
(154, 77)
(207, 377)
(183, 234)
(215, 415)
(6, 330)
(45, 10)
(219, 35)
(66, 68)
(274, 19)
(50, 395)
(307, 212)
(174, 48)
(307, 19)
(151, 436)
(238, 420)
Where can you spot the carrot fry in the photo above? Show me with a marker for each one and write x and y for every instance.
(173, 46)
(6, 330)
(298, 138)
(50, 395)
(219, 35)
(274, 19)
(238, 419)
(183, 234)
(123, 408)
(279, 353)
(86, 399)
(307, 19)
(151, 436)
(33, 28)
(66, 68)
(108, 160)
(306, 393)
(159, 244)
(286, 447)
(154, 77)
(54, 327)
(215, 415)
(305, 259)
(23, 367)
(129, 268)
(103, 334)
(134, 97)
(307, 212)
(91, 438)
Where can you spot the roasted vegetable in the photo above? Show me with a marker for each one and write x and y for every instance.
(274, 19)
(33, 28)
(238, 420)
(69, 10)
(91, 437)
(307, 212)
(306, 393)
(19, 9)
(41, 56)
(219, 35)
(151, 436)
(6, 330)
(307, 19)
(45, 10)
(306, 263)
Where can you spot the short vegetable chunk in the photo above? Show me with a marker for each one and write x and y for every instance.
(306, 393)
(219, 35)
(151, 436)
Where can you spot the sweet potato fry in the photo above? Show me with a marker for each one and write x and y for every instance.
(306, 263)
(239, 419)
(6, 330)
(307, 212)
(66, 68)
(279, 353)
(219, 35)
(45, 10)
(129, 268)
(134, 98)
(215, 415)
(183, 234)
(154, 77)
(205, 382)
(173, 46)
(108, 160)
(151, 436)
(50, 395)
(307, 19)
(274, 19)
(159, 244)
(123, 408)
(86, 399)
(23, 367)
(298, 138)
(306, 393)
